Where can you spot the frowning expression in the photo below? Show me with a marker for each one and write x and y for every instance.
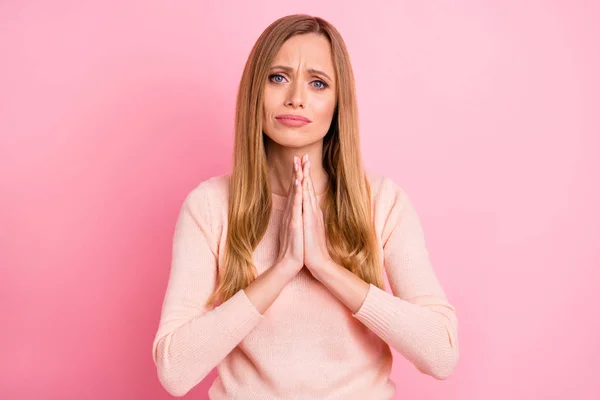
(300, 93)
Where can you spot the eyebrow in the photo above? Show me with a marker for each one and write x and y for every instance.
(310, 70)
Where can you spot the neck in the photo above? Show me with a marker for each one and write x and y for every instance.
(280, 160)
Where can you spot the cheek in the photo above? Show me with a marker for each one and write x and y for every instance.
(270, 101)
(324, 108)
(267, 109)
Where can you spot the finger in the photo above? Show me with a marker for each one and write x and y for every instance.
(297, 202)
(299, 173)
(306, 201)
(313, 194)
(308, 184)
(292, 183)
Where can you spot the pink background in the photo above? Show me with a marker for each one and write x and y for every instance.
(485, 112)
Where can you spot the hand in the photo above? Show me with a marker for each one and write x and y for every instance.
(316, 254)
(291, 239)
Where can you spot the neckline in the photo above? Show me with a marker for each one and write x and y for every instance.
(279, 201)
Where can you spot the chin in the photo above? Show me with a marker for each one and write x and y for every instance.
(292, 142)
(288, 139)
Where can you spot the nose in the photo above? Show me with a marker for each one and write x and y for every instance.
(296, 96)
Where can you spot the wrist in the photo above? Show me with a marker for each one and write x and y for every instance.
(286, 269)
(326, 271)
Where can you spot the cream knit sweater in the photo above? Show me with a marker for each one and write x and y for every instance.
(307, 345)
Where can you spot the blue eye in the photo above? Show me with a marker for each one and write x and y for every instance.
(321, 85)
(274, 78)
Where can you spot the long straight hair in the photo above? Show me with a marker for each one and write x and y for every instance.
(346, 204)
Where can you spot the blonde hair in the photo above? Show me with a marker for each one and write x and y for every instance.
(346, 204)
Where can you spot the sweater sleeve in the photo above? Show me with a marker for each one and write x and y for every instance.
(416, 320)
(192, 339)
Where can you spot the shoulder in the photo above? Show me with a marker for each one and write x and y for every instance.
(213, 191)
(385, 192)
(390, 203)
(208, 201)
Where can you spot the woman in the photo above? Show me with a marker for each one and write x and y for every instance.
(277, 270)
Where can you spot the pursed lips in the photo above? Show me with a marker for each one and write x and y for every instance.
(293, 117)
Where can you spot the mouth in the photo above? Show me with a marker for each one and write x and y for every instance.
(292, 120)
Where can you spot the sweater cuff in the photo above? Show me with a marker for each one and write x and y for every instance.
(239, 316)
(377, 311)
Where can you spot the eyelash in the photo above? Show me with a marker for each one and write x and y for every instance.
(324, 85)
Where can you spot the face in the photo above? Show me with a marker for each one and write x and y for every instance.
(300, 92)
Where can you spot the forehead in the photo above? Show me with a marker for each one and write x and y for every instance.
(311, 50)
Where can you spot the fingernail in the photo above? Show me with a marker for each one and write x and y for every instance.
(308, 164)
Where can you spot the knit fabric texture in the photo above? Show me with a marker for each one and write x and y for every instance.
(307, 345)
